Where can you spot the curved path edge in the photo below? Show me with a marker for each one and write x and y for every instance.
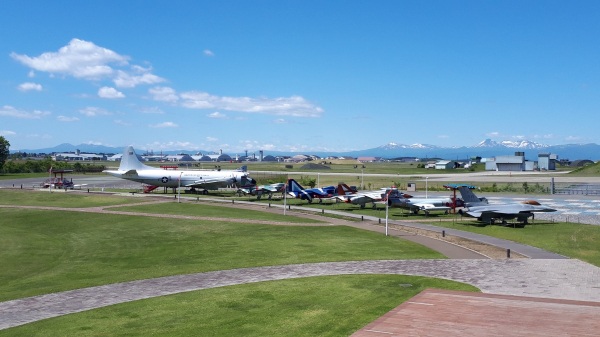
(560, 279)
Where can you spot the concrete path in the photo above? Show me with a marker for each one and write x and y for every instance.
(559, 279)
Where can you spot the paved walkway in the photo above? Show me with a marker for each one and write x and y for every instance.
(560, 279)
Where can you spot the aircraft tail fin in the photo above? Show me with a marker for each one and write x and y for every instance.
(343, 189)
(469, 197)
(295, 189)
(130, 161)
(294, 186)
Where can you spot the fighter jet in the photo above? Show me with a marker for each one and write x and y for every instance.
(490, 213)
(261, 190)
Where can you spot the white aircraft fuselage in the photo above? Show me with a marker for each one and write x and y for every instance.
(176, 178)
(132, 169)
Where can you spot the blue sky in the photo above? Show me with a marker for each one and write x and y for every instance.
(298, 75)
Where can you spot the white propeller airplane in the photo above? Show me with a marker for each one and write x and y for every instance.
(132, 169)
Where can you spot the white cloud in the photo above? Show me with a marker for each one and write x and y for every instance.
(7, 133)
(121, 122)
(125, 80)
(284, 106)
(573, 139)
(164, 125)
(546, 136)
(163, 94)
(151, 110)
(85, 60)
(211, 139)
(254, 146)
(92, 142)
(208, 52)
(108, 92)
(171, 146)
(280, 121)
(10, 111)
(94, 111)
(80, 59)
(67, 119)
(217, 114)
(493, 134)
(28, 86)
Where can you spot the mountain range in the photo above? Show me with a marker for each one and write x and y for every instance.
(486, 148)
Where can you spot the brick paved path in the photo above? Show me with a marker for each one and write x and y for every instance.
(561, 279)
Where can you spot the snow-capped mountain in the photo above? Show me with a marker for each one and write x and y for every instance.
(485, 148)
(523, 144)
(396, 146)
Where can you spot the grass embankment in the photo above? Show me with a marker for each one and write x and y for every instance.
(579, 241)
(60, 198)
(317, 306)
(49, 251)
(213, 210)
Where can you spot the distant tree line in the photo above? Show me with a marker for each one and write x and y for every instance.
(4, 150)
(44, 165)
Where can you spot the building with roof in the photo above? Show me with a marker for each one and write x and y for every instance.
(547, 161)
(444, 165)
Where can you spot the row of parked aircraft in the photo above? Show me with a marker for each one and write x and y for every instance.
(131, 168)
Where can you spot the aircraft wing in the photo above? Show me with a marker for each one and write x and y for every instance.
(431, 207)
(209, 183)
(274, 187)
(508, 209)
(360, 198)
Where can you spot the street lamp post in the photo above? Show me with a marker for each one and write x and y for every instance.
(362, 175)
(179, 188)
(426, 187)
(386, 216)
(285, 197)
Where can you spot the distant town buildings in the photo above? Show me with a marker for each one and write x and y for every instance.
(516, 162)
(546, 161)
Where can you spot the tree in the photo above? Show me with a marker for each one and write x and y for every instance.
(4, 152)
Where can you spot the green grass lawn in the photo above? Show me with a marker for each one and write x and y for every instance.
(60, 199)
(316, 306)
(49, 251)
(579, 241)
(213, 210)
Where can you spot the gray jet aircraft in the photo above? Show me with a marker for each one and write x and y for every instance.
(490, 213)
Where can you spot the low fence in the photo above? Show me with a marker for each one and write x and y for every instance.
(577, 189)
